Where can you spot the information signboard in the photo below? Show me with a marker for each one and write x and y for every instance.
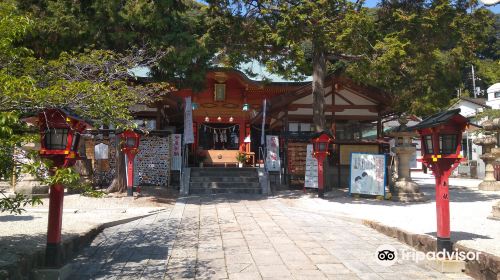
(311, 177)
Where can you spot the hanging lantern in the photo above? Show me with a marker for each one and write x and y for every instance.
(219, 118)
(246, 107)
(207, 119)
(231, 119)
(195, 105)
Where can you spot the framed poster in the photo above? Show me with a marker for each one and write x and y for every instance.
(367, 174)
(220, 92)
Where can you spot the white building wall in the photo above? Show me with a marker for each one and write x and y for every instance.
(493, 101)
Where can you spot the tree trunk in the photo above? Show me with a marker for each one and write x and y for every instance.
(119, 183)
(318, 88)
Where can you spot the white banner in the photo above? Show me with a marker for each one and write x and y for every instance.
(311, 178)
(367, 174)
(188, 122)
(273, 156)
(176, 143)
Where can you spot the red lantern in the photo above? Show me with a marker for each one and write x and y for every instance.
(60, 136)
(441, 136)
(321, 143)
(130, 140)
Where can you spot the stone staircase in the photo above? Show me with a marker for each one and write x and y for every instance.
(214, 180)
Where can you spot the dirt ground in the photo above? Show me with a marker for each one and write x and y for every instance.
(21, 236)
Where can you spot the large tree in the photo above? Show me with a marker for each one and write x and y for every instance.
(422, 50)
(176, 27)
(95, 84)
(417, 50)
(86, 47)
(293, 38)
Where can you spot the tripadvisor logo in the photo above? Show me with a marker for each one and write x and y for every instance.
(387, 255)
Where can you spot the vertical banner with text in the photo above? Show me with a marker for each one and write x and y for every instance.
(273, 156)
(176, 143)
(188, 122)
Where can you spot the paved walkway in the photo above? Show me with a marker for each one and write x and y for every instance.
(469, 211)
(241, 238)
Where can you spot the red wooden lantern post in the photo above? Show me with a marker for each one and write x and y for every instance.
(130, 148)
(321, 141)
(441, 136)
(60, 136)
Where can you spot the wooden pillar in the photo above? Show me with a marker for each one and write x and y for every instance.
(242, 135)
(285, 148)
(159, 125)
(379, 127)
(248, 146)
(195, 134)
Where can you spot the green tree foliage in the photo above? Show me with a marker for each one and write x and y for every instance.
(420, 50)
(176, 27)
(95, 84)
(416, 50)
(293, 38)
(16, 204)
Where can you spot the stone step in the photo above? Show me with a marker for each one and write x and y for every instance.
(222, 191)
(224, 174)
(239, 179)
(223, 185)
(231, 172)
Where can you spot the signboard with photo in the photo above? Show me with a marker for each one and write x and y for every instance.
(367, 174)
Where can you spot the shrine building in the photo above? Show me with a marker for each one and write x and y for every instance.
(228, 115)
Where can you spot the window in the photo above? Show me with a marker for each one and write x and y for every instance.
(497, 94)
(220, 92)
(149, 124)
(299, 127)
(448, 144)
(56, 138)
(428, 144)
(354, 130)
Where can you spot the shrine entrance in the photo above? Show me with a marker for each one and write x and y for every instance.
(218, 136)
(218, 144)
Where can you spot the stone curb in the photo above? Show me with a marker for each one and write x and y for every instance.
(23, 267)
(486, 268)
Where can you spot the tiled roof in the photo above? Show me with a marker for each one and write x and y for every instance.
(437, 119)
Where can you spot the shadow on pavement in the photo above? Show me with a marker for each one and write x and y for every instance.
(462, 235)
(13, 218)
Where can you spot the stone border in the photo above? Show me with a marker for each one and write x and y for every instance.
(22, 268)
(487, 268)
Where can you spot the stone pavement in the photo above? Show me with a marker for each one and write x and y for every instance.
(242, 237)
(469, 211)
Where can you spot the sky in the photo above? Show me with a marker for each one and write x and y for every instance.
(373, 3)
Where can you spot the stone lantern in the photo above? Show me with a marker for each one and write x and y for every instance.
(490, 154)
(496, 153)
(404, 188)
